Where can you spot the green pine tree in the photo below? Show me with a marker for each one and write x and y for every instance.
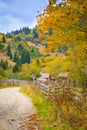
(3, 39)
(16, 68)
(9, 53)
(25, 58)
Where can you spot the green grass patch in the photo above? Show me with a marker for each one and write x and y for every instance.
(8, 85)
(46, 108)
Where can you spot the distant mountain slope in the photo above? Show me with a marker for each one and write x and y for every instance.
(19, 46)
(25, 34)
(40, 47)
(6, 58)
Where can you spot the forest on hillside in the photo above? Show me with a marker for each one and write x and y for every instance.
(16, 51)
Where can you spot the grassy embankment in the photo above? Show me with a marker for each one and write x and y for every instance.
(65, 113)
(46, 109)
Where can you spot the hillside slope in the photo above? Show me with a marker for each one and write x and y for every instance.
(6, 58)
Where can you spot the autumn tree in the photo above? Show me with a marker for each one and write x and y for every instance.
(78, 69)
(67, 22)
(64, 25)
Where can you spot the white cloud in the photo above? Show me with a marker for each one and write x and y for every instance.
(33, 24)
(9, 23)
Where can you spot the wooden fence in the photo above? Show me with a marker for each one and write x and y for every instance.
(51, 90)
(55, 89)
(13, 81)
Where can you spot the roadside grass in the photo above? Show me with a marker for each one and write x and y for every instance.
(3, 85)
(60, 112)
(46, 108)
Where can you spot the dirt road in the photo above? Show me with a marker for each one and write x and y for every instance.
(16, 111)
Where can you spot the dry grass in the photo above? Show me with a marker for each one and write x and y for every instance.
(6, 58)
(60, 112)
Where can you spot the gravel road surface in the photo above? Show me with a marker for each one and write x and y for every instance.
(16, 111)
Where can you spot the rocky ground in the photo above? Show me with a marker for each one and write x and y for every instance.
(17, 111)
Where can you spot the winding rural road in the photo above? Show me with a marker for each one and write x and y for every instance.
(16, 111)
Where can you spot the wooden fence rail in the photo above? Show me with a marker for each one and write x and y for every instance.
(56, 90)
(13, 81)
(50, 90)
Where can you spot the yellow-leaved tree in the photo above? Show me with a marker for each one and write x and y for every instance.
(65, 24)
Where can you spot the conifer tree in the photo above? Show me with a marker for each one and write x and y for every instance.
(3, 39)
(9, 53)
(15, 57)
(25, 58)
(15, 68)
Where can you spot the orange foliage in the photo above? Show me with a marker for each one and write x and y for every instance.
(65, 20)
(41, 36)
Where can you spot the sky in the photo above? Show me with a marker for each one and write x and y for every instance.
(15, 14)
